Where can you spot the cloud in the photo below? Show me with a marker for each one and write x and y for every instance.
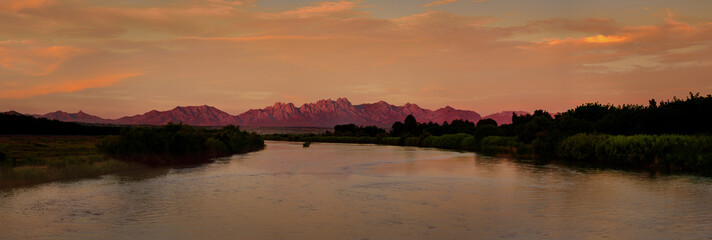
(439, 2)
(444, 2)
(597, 39)
(34, 58)
(245, 49)
(321, 9)
(18, 5)
(64, 86)
(259, 38)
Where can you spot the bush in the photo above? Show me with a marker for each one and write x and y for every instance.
(390, 141)
(216, 147)
(493, 145)
(676, 152)
(178, 144)
(469, 144)
(580, 147)
(411, 141)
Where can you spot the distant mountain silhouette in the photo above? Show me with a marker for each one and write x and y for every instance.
(327, 113)
(323, 113)
(74, 117)
(192, 115)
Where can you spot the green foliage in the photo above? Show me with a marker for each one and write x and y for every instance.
(580, 147)
(357, 131)
(494, 145)
(390, 141)
(174, 144)
(674, 152)
(411, 141)
(335, 139)
(469, 144)
(216, 147)
(485, 130)
(450, 141)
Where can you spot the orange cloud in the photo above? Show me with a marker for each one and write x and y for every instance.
(439, 2)
(64, 87)
(17, 5)
(331, 44)
(604, 39)
(443, 2)
(598, 39)
(33, 58)
(321, 9)
(260, 38)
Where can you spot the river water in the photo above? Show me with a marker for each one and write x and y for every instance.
(341, 191)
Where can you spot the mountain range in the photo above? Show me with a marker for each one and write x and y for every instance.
(323, 113)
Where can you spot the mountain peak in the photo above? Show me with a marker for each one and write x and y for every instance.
(202, 115)
(328, 112)
(343, 100)
(74, 117)
(322, 113)
(13, 112)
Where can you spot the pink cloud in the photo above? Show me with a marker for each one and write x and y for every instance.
(321, 9)
(439, 2)
(17, 5)
(64, 86)
(33, 58)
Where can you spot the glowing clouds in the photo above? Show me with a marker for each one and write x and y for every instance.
(322, 9)
(17, 5)
(64, 86)
(439, 2)
(604, 39)
(32, 58)
(598, 39)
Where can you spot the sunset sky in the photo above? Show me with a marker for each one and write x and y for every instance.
(114, 58)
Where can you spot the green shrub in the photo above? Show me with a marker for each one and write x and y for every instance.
(390, 141)
(216, 147)
(411, 141)
(178, 144)
(677, 152)
(493, 145)
(580, 147)
(469, 144)
(449, 141)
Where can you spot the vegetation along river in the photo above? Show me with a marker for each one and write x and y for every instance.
(346, 191)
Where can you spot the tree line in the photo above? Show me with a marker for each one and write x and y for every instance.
(178, 144)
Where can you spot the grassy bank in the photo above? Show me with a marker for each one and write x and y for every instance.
(36, 159)
(32, 159)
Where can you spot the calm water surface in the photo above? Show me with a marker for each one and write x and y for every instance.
(338, 191)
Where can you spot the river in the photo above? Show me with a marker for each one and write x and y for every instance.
(342, 191)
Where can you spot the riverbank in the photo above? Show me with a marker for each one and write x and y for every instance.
(33, 159)
(670, 153)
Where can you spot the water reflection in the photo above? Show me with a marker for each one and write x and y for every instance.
(336, 191)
